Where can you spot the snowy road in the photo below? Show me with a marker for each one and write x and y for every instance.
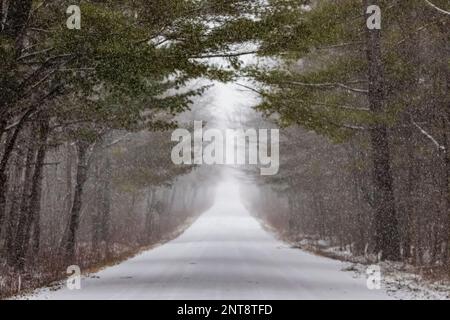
(225, 254)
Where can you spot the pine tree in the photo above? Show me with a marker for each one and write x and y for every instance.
(335, 76)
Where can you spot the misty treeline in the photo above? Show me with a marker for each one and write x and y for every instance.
(365, 163)
(132, 197)
(85, 169)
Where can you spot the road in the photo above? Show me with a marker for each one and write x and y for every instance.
(225, 254)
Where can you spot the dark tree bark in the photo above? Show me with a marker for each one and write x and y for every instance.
(74, 220)
(18, 211)
(3, 124)
(18, 176)
(36, 215)
(105, 206)
(28, 219)
(446, 158)
(18, 13)
(386, 234)
(411, 205)
(9, 148)
(3, 187)
(446, 104)
(447, 167)
(442, 87)
(69, 193)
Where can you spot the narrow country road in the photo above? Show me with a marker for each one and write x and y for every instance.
(225, 254)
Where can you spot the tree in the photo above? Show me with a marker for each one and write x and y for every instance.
(337, 77)
(386, 223)
(126, 69)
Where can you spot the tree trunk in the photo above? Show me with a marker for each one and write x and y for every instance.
(36, 215)
(105, 206)
(33, 208)
(96, 219)
(149, 219)
(446, 158)
(7, 152)
(74, 220)
(18, 212)
(18, 193)
(3, 187)
(69, 194)
(3, 124)
(386, 224)
(359, 236)
(17, 17)
(411, 205)
(446, 104)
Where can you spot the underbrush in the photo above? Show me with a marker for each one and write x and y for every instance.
(50, 269)
(400, 279)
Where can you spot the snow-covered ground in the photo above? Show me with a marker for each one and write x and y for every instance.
(225, 254)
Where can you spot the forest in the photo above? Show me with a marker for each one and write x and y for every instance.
(364, 154)
(86, 116)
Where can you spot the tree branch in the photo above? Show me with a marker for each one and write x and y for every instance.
(225, 55)
(426, 134)
(437, 8)
(329, 85)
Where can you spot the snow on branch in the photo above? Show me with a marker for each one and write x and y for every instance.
(437, 8)
(328, 85)
(426, 134)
